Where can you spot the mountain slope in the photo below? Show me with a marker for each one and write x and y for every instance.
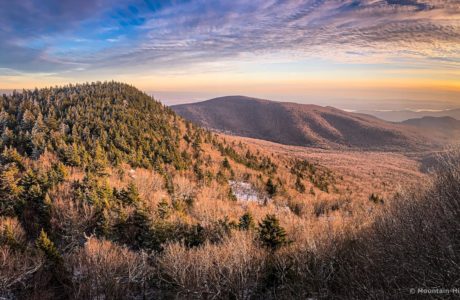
(441, 127)
(301, 125)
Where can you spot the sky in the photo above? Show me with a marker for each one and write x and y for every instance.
(355, 54)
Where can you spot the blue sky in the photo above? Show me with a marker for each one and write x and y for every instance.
(374, 50)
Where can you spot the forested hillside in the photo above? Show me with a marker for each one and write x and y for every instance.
(90, 124)
(107, 194)
(105, 161)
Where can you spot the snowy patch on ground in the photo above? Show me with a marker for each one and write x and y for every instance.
(244, 191)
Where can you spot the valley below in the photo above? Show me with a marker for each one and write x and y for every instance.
(363, 172)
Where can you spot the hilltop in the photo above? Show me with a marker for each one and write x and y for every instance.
(302, 125)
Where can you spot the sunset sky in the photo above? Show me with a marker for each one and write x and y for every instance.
(348, 53)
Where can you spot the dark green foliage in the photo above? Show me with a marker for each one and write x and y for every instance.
(10, 190)
(7, 238)
(93, 190)
(196, 236)
(301, 168)
(91, 125)
(162, 232)
(11, 156)
(259, 163)
(47, 246)
(323, 207)
(220, 229)
(321, 178)
(246, 222)
(35, 201)
(299, 186)
(129, 195)
(226, 164)
(270, 187)
(103, 223)
(57, 174)
(169, 186)
(70, 155)
(164, 209)
(271, 234)
(220, 177)
(198, 172)
(135, 230)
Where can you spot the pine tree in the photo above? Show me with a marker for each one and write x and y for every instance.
(196, 236)
(270, 187)
(11, 155)
(130, 195)
(58, 173)
(246, 221)
(38, 137)
(197, 143)
(198, 172)
(271, 234)
(299, 186)
(28, 120)
(99, 161)
(226, 163)
(163, 209)
(72, 156)
(10, 190)
(47, 246)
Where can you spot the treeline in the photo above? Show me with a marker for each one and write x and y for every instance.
(92, 123)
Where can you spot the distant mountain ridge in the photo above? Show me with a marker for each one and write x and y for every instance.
(403, 115)
(441, 127)
(302, 125)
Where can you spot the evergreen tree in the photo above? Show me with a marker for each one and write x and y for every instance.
(226, 164)
(71, 155)
(163, 209)
(270, 187)
(271, 234)
(11, 155)
(10, 190)
(196, 236)
(246, 221)
(47, 246)
(299, 186)
(130, 195)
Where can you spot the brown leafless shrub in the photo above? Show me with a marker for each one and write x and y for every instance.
(18, 261)
(72, 219)
(414, 243)
(16, 268)
(103, 270)
(10, 228)
(184, 191)
(230, 269)
(148, 183)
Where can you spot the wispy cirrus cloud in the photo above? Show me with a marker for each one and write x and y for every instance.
(66, 36)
